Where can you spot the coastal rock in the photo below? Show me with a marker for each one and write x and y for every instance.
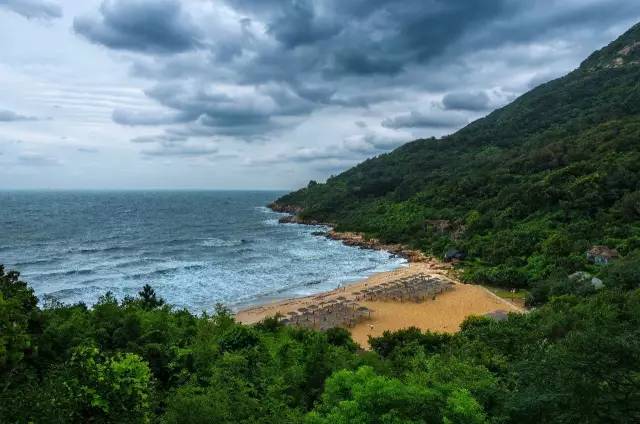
(289, 219)
(276, 207)
(347, 238)
(358, 240)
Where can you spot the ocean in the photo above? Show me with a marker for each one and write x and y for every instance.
(196, 248)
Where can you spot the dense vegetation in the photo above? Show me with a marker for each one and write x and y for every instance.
(524, 192)
(139, 360)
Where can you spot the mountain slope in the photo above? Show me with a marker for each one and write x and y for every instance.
(524, 191)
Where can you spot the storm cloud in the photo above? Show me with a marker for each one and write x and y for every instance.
(269, 60)
(33, 9)
(270, 89)
(149, 26)
(478, 101)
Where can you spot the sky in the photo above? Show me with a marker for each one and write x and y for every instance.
(264, 94)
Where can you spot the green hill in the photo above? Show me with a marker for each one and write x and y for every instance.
(524, 192)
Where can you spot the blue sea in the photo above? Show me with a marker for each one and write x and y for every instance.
(196, 248)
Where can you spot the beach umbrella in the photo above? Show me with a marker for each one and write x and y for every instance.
(352, 304)
(285, 321)
(364, 309)
(341, 298)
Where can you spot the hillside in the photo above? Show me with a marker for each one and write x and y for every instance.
(524, 192)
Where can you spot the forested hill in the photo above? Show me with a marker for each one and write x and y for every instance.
(524, 192)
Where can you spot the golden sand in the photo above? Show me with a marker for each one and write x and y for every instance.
(445, 314)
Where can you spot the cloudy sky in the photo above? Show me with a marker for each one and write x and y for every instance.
(264, 93)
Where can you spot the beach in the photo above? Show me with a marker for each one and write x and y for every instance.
(444, 314)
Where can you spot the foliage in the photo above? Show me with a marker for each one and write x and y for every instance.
(574, 359)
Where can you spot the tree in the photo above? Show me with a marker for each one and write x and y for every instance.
(363, 397)
(149, 299)
(109, 388)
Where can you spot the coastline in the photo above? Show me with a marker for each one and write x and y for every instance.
(352, 238)
(444, 314)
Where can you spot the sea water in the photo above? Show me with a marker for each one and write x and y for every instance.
(196, 248)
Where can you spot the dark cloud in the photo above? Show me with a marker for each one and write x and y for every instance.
(149, 26)
(433, 119)
(33, 9)
(362, 63)
(249, 69)
(207, 112)
(298, 24)
(472, 101)
(10, 116)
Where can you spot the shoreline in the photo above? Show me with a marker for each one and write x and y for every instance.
(444, 314)
(353, 239)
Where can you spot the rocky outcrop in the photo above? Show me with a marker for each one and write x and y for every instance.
(354, 239)
(277, 207)
(294, 215)
(359, 240)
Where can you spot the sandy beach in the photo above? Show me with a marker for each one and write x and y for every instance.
(444, 314)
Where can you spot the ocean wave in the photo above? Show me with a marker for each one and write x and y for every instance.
(264, 209)
(69, 273)
(138, 262)
(76, 292)
(216, 242)
(164, 271)
(108, 249)
(46, 261)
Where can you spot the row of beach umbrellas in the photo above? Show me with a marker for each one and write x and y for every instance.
(339, 312)
(414, 288)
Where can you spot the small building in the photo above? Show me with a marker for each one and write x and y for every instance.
(602, 255)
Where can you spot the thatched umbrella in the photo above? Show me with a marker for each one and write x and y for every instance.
(313, 308)
(331, 302)
(352, 304)
(341, 298)
(285, 321)
(364, 309)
